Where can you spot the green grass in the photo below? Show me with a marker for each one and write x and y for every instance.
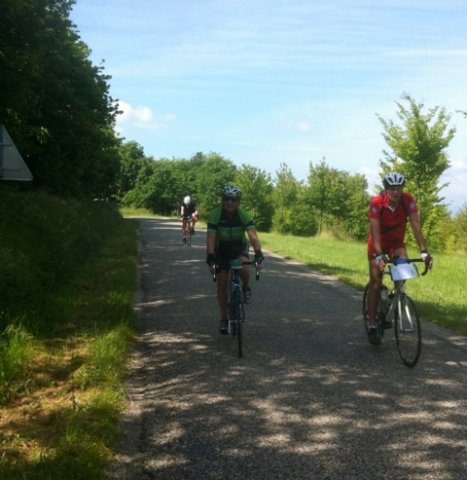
(439, 295)
(62, 386)
(16, 357)
(142, 212)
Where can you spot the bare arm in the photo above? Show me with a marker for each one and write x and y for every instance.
(254, 240)
(375, 228)
(417, 230)
(211, 244)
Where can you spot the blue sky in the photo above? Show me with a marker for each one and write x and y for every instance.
(269, 81)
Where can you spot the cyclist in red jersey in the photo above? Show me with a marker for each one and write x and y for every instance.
(388, 214)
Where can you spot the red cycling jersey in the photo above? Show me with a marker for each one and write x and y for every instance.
(392, 223)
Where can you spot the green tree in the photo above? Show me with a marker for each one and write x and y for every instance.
(256, 187)
(132, 161)
(418, 151)
(153, 189)
(324, 193)
(284, 196)
(454, 231)
(291, 213)
(355, 199)
(54, 102)
(185, 174)
(213, 173)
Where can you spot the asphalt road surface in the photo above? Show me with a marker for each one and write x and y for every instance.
(310, 399)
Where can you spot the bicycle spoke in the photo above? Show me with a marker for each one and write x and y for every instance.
(407, 331)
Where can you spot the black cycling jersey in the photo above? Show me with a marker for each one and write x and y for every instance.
(188, 210)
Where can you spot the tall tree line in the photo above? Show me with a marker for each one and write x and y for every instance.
(329, 199)
(57, 107)
(283, 204)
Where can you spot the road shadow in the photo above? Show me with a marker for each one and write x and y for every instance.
(309, 399)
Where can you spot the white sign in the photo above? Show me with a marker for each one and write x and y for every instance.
(12, 165)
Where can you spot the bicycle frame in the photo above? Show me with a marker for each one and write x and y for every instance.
(396, 304)
(236, 312)
(187, 225)
(235, 304)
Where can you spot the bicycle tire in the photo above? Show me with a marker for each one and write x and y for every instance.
(240, 321)
(408, 332)
(238, 314)
(188, 234)
(379, 315)
(232, 323)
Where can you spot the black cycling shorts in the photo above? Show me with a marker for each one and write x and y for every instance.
(223, 263)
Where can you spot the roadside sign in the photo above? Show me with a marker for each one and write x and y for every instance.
(12, 165)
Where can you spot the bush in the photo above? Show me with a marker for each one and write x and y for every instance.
(43, 242)
(296, 220)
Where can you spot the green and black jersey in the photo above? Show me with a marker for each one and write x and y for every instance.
(229, 231)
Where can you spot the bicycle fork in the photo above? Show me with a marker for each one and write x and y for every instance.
(399, 310)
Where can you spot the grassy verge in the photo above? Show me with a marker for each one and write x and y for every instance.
(63, 392)
(439, 296)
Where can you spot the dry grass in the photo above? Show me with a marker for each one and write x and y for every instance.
(32, 424)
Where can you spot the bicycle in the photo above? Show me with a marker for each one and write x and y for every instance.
(235, 309)
(398, 310)
(187, 225)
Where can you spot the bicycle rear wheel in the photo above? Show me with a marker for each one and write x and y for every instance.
(407, 331)
(379, 316)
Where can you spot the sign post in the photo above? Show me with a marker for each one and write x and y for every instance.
(12, 165)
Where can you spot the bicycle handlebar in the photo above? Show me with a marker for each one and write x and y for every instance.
(256, 264)
(412, 260)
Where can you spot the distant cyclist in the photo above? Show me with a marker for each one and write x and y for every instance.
(229, 226)
(188, 213)
(388, 214)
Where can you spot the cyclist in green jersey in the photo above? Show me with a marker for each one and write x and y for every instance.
(229, 225)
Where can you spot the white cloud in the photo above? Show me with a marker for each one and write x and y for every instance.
(303, 127)
(141, 116)
(459, 165)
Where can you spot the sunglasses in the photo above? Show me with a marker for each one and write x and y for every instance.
(229, 199)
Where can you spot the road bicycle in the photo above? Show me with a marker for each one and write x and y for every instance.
(398, 310)
(235, 305)
(187, 225)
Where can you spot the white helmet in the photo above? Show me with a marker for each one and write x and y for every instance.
(231, 192)
(393, 180)
(187, 200)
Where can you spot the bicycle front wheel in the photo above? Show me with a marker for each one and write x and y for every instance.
(407, 331)
(238, 317)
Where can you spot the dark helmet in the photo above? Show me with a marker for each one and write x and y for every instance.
(231, 192)
(393, 180)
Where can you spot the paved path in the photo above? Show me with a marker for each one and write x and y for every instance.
(310, 399)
